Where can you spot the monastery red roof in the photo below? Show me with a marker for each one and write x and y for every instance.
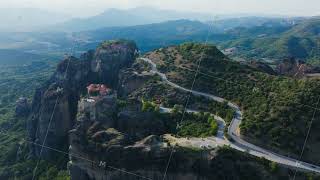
(98, 88)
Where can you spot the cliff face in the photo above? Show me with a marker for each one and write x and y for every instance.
(295, 68)
(262, 67)
(22, 107)
(55, 104)
(112, 138)
(110, 135)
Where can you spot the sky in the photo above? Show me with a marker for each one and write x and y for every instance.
(82, 8)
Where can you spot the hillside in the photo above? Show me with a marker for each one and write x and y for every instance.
(254, 21)
(254, 38)
(148, 37)
(276, 109)
(125, 18)
(152, 36)
(178, 31)
(299, 41)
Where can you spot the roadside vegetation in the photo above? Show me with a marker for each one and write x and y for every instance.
(198, 125)
(300, 41)
(149, 106)
(192, 124)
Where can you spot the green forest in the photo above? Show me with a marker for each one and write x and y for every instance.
(17, 81)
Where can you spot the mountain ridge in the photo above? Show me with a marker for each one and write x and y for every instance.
(129, 17)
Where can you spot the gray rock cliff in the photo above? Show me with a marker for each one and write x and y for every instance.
(54, 106)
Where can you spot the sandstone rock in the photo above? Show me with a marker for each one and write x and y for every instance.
(133, 78)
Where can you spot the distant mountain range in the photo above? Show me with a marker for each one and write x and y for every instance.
(30, 19)
(149, 15)
(252, 37)
(254, 21)
(150, 36)
(129, 17)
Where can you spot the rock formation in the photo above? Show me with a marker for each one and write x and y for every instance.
(54, 106)
(22, 107)
(126, 139)
(262, 67)
(295, 68)
(114, 139)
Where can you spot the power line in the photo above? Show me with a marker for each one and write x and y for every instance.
(188, 99)
(52, 115)
(307, 137)
(209, 74)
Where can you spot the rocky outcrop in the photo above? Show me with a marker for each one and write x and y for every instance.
(133, 78)
(54, 106)
(262, 67)
(126, 139)
(114, 141)
(295, 68)
(22, 107)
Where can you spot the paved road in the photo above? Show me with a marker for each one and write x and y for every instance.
(237, 142)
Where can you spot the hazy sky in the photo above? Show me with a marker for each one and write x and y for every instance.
(91, 7)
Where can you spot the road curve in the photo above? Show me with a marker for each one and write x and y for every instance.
(237, 142)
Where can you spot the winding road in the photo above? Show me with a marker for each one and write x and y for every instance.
(236, 143)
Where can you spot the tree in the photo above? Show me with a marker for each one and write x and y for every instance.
(273, 167)
(177, 109)
(148, 106)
